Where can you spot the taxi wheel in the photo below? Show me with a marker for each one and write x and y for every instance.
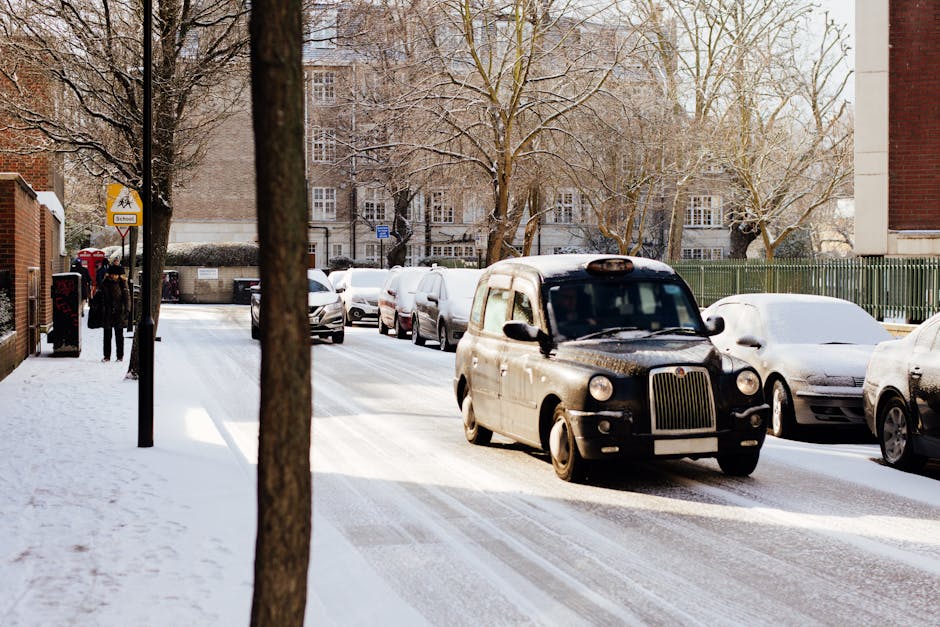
(566, 460)
(474, 433)
(895, 434)
(383, 328)
(740, 465)
(339, 336)
(782, 420)
(255, 332)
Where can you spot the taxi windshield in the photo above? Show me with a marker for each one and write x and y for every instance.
(603, 307)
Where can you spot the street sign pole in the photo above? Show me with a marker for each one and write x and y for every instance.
(146, 328)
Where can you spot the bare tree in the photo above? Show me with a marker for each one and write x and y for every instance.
(90, 54)
(504, 74)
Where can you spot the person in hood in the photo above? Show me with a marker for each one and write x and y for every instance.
(115, 304)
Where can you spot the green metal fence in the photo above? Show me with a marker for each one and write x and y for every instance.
(901, 290)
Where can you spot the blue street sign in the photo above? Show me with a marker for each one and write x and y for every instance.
(381, 231)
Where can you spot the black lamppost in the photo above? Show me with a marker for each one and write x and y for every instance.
(146, 328)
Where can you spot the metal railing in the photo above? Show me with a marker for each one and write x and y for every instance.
(895, 290)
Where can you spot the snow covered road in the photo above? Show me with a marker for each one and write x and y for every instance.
(465, 535)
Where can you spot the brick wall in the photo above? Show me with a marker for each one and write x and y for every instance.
(20, 224)
(914, 116)
(52, 262)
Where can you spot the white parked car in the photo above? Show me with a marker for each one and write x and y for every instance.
(811, 352)
(324, 309)
(360, 292)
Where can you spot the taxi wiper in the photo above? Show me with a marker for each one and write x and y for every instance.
(674, 331)
(607, 331)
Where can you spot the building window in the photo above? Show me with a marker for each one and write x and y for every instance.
(337, 250)
(324, 90)
(704, 211)
(372, 252)
(454, 251)
(323, 203)
(373, 204)
(442, 211)
(323, 142)
(413, 212)
(565, 207)
(321, 31)
(702, 253)
(311, 248)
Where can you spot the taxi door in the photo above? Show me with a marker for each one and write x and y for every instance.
(485, 353)
(520, 365)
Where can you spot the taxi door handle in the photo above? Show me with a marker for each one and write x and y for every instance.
(916, 372)
(474, 361)
(503, 369)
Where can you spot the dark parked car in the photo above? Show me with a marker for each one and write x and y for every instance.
(325, 309)
(595, 357)
(902, 397)
(397, 299)
(442, 306)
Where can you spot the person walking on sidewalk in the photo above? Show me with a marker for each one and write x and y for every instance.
(115, 305)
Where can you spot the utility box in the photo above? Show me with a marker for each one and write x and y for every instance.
(67, 312)
(240, 293)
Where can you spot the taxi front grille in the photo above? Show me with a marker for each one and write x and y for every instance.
(681, 400)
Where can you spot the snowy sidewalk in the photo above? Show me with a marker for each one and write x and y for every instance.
(94, 530)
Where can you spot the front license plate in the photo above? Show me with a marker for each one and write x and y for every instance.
(687, 446)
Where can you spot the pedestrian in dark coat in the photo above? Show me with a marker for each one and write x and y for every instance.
(86, 278)
(101, 273)
(115, 305)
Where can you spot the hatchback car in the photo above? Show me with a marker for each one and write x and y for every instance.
(324, 309)
(598, 357)
(902, 397)
(397, 299)
(810, 351)
(442, 306)
(360, 293)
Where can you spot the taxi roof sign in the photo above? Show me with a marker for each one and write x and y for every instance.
(124, 206)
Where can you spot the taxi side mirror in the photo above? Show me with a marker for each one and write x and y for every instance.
(522, 332)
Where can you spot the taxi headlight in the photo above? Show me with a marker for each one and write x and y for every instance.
(601, 388)
(748, 382)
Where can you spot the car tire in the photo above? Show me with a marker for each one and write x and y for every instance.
(339, 336)
(383, 328)
(416, 338)
(355, 315)
(400, 332)
(740, 464)
(895, 435)
(347, 320)
(445, 345)
(782, 419)
(255, 331)
(566, 459)
(472, 430)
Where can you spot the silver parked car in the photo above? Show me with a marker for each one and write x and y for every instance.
(442, 306)
(324, 309)
(810, 351)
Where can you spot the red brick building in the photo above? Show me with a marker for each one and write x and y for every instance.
(897, 136)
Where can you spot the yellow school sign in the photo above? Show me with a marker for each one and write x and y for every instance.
(124, 206)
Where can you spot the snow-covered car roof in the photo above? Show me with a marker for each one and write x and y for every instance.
(812, 319)
(574, 266)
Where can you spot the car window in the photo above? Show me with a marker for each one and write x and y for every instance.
(409, 281)
(749, 322)
(522, 309)
(476, 314)
(426, 283)
(316, 286)
(794, 321)
(729, 312)
(392, 282)
(436, 287)
(497, 305)
(927, 338)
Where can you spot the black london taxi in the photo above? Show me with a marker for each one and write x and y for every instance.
(595, 357)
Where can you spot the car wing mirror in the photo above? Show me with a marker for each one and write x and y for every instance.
(254, 289)
(522, 332)
(750, 341)
(340, 289)
(393, 293)
(432, 298)
(714, 325)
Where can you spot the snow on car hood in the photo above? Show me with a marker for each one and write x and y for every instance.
(317, 299)
(834, 360)
(633, 357)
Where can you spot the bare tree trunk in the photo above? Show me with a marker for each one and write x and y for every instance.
(282, 548)
(401, 229)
